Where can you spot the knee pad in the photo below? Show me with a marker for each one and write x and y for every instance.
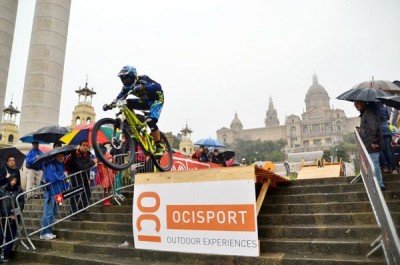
(152, 124)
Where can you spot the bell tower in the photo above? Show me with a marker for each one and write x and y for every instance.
(9, 130)
(84, 111)
(271, 119)
(186, 146)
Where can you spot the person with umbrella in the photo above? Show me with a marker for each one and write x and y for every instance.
(54, 174)
(33, 172)
(370, 134)
(10, 169)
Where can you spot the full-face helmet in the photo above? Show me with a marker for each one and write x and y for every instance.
(128, 75)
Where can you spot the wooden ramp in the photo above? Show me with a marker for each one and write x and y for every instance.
(327, 171)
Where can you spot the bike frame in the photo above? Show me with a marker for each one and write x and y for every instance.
(145, 140)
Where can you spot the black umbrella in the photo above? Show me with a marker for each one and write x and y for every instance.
(11, 151)
(228, 154)
(363, 94)
(380, 85)
(391, 101)
(46, 157)
(50, 134)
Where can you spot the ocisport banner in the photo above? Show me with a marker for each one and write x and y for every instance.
(215, 217)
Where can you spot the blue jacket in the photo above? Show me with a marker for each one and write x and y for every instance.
(54, 173)
(152, 92)
(31, 157)
(384, 118)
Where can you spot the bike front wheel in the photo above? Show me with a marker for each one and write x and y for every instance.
(107, 137)
(164, 162)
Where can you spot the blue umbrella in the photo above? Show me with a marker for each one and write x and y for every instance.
(209, 142)
(28, 138)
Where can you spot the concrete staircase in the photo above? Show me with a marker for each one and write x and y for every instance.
(312, 221)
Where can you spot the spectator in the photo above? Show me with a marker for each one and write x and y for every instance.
(204, 155)
(119, 159)
(387, 159)
(10, 169)
(287, 168)
(81, 161)
(371, 135)
(198, 152)
(8, 216)
(218, 158)
(243, 162)
(106, 177)
(57, 144)
(33, 173)
(54, 174)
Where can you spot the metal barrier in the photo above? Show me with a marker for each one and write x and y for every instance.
(52, 203)
(59, 202)
(388, 239)
(10, 225)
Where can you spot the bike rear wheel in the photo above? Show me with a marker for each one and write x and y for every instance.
(165, 162)
(107, 137)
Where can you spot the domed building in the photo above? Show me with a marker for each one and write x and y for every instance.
(318, 128)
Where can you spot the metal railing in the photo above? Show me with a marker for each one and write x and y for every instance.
(10, 224)
(388, 238)
(76, 194)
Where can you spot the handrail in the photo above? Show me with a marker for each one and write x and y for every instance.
(388, 238)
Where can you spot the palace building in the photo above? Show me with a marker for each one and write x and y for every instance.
(318, 128)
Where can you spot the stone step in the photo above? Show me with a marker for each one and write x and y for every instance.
(336, 180)
(99, 208)
(90, 235)
(90, 216)
(313, 222)
(44, 256)
(312, 245)
(101, 226)
(328, 207)
(318, 231)
(329, 197)
(329, 188)
(322, 219)
(85, 253)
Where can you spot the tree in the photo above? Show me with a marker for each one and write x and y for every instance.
(343, 150)
(259, 150)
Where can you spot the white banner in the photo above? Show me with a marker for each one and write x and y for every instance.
(215, 217)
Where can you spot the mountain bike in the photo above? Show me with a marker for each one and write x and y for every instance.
(125, 134)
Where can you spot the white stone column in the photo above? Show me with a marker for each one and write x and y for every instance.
(8, 15)
(45, 68)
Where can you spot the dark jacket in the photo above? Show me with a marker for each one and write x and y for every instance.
(370, 130)
(6, 204)
(81, 161)
(12, 172)
(153, 90)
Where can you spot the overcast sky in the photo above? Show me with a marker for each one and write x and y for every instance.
(215, 57)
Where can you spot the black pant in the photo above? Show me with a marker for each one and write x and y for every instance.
(11, 231)
(82, 199)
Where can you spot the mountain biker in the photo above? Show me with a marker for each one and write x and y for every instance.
(149, 95)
